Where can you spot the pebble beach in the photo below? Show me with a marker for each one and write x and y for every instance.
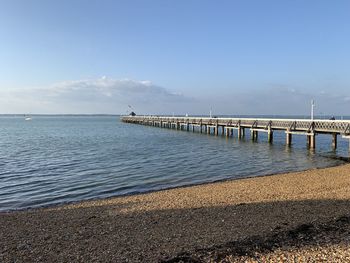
(292, 217)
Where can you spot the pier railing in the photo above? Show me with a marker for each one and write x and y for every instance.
(310, 128)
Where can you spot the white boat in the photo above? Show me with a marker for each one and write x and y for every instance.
(28, 118)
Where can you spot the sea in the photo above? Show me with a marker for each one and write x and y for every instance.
(53, 160)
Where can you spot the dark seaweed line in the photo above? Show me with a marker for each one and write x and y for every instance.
(303, 235)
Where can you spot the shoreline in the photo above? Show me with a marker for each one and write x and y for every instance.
(343, 160)
(162, 225)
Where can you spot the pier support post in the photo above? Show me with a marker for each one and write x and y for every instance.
(222, 130)
(254, 135)
(334, 140)
(239, 132)
(208, 129)
(270, 136)
(188, 127)
(227, 132)
(201, 127)
(288, 138)
(216, 130)
(192, 128)
(312, 141)
(242, 130)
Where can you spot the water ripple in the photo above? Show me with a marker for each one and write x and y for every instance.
(54, 160)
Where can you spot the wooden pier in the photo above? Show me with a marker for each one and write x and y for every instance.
(226, 126)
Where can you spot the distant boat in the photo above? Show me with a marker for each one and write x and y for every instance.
(28, 118)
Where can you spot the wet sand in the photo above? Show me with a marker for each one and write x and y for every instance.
(300, 217)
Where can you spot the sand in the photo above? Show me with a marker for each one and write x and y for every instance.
(293, 217)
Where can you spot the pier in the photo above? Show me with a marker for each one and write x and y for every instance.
(227, 126)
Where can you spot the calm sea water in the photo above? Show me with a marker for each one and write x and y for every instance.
(53, 160)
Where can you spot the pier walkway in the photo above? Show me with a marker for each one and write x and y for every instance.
(226, 126)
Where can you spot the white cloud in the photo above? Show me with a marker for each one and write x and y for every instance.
(103, 95)
(107, 95)
(106, 87)
(276, 99)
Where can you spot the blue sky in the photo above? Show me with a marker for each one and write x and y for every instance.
(237, 57)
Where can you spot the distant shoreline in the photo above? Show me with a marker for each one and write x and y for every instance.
(59, 115)
(320, 117)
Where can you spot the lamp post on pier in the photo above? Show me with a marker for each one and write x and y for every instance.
(312, 109)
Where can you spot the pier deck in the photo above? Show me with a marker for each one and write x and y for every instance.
(309, 128)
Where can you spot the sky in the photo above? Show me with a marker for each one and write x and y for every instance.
(247, 57)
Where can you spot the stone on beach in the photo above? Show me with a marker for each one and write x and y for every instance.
(197, 222)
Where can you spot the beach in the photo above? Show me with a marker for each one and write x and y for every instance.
(292, 217)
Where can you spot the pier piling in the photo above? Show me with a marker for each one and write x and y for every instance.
(288, 138)
(254, 135)
(311, 141)
(270, 136)
(239, 132)
(334, 140)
